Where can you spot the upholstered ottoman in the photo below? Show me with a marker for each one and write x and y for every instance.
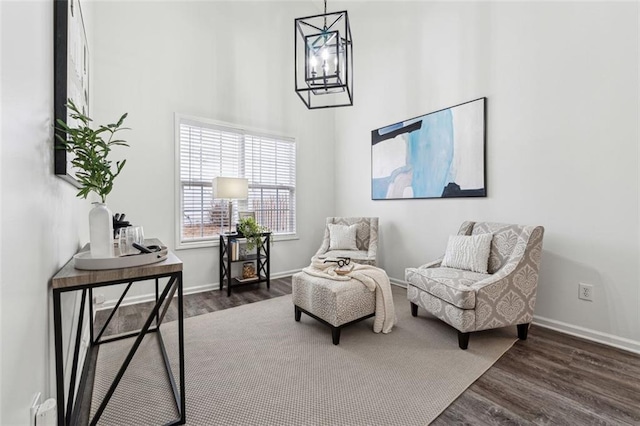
(333, 303)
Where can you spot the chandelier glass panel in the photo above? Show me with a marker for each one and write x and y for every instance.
(324, 60)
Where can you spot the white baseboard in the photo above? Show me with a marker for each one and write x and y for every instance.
(573, 330)
(399, 283)
(285, 273)
(149, 297)
(588, 334)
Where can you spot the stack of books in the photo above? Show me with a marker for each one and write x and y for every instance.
(234, 249)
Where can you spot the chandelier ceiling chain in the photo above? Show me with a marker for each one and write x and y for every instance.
(325, 15)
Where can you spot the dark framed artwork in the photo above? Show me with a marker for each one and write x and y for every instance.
(437, 155)
(71, 74)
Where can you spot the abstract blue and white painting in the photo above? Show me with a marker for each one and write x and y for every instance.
(437, 155)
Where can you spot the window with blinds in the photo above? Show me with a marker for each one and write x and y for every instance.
(208, 149)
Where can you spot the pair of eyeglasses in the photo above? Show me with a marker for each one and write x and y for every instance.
(342, 261)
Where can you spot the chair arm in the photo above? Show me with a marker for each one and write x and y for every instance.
(373, 248)
(495, 280)
(432, 264)
(508, 297)
(528, 249)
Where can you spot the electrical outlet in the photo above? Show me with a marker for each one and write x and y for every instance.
(585, 292)
(33, 409)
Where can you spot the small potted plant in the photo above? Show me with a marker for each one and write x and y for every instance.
(249, 229)
(91, 152)
(94, 172)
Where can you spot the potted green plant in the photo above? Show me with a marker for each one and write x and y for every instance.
(91, 148)
(91, 152)
(250, 230)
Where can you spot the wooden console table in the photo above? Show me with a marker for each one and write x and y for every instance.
(69, 279)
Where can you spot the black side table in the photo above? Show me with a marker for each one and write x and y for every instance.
(261, 257)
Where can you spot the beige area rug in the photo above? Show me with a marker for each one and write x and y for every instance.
(254, 365)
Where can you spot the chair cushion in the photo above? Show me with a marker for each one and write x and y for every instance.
(470, 253)
(342, 237)
(451, 285)
(462, 319)
(337, 302)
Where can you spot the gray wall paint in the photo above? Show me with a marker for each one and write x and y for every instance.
(562, 83)
(555, 113)
(43, 223)
(562, 147)
(228, 61)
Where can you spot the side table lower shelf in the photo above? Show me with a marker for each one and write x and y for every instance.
(240, 281)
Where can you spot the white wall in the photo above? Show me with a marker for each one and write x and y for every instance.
(229, 61)
(42, 223)
(562, 87)
(562, 142)
(562, 83)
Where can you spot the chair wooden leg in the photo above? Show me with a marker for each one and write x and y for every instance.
(335, 335)
(414, 309)
(463, 340)
(298, 312)
(523, 330)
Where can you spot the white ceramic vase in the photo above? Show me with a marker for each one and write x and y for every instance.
(101, 231)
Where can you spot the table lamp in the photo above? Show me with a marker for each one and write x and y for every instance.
(230, 189)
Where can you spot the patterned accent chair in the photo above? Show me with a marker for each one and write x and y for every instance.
(366, 240)
(471, 301)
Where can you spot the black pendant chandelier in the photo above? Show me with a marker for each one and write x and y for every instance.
(324, 60)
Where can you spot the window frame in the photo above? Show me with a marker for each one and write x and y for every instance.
(214, 241)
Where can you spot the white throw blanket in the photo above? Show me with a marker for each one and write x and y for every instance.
(375, 279)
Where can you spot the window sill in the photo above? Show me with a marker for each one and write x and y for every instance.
(197, 244)
(285, 237)
(216, 242)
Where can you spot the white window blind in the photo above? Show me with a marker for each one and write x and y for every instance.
(207, 150)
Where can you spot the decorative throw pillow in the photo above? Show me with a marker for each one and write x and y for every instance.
(470, 253)
(342, 237)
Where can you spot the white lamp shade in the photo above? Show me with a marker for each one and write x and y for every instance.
(227, 187)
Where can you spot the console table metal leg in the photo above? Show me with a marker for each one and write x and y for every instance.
(76, 353)
(57, 325)
(90, 316)
(179, 395)
(157, 317)
(167, 367)
(183, 401)
(132, 351)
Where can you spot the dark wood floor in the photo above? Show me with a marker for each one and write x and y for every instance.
(132, 317)
(551, 378)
